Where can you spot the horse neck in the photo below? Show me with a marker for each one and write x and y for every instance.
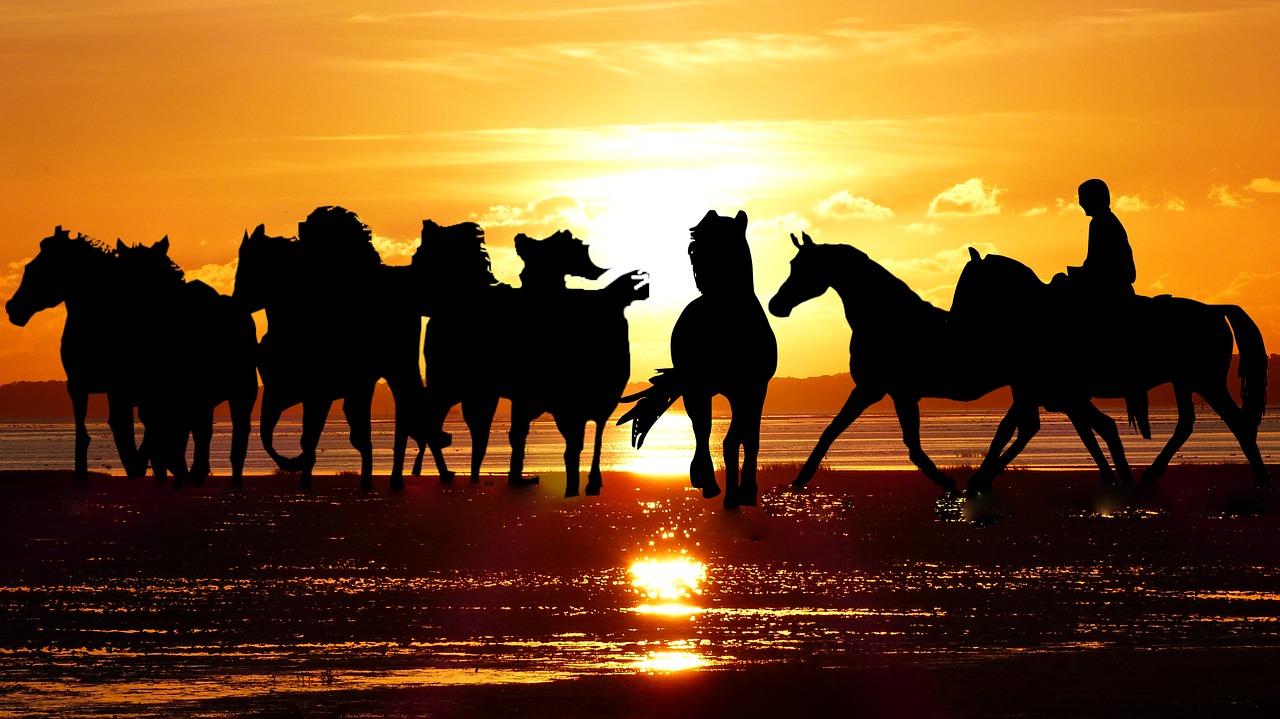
(872, 297)
(542, 281)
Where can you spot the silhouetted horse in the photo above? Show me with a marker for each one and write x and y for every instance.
(721, 344)
(469, 343)
(486, 340)
(1062, 351)
(208, 348)
(904, 347)
(115, 323)
(338, 320)
(580, 356)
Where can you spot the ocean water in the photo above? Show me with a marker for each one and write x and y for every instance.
(952, 439)
(127, 598)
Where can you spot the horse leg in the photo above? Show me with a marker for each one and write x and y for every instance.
(120, 419)
(357, 410)
(478, 414)
(521, 418)
(435, 410)
(1245, 431)
(908, 411)
(80, 408)
(859, 400)
(1082, 422)
(241, 425)
(702, 470)
(1182, 430)
(595, 480)
(1106, 428)
(731, 450)
(314, 414)
(572, 430)
(747, 413)
(1023, 417)
(202, 437)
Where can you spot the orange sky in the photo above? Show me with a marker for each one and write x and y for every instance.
(911, 130)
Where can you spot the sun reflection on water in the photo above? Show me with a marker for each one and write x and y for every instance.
(668, 580)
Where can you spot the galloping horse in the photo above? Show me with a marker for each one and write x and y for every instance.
(338, 321)
(211, 347)
(897, 349)
(1182, 341)
(487, 340)
(122, 304)
(721, 344)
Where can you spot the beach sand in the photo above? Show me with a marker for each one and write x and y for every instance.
(1064, 599)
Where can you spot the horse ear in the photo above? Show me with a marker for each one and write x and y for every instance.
(741, 219)
(246, 237)
(973, 254)
(260, 231)
(120, 245)
(163, 245)
(807, 239)
(795, 242)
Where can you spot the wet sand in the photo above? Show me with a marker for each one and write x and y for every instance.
(1055, 597)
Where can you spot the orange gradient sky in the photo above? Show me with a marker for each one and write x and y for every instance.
(912, 130)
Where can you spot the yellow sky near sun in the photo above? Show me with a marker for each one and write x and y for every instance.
(911, 130)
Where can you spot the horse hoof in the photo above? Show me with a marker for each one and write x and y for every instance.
(397, 484)
(593, 489)
(1149, 478)
(711, 490)
(523, 481)
(446, 477)
(570, 492)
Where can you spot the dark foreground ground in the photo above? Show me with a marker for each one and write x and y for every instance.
(1054, 598)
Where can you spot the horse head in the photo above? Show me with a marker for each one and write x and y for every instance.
(263, 261)
(453, 258)
(147, 268)
(808, 278)
(993, 286)
(547, 261)
(719, 255)
(62, 267)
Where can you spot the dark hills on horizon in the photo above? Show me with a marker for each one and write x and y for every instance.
(822, 395)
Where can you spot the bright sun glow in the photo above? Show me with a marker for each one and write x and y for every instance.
(671, 661)
(668, 580)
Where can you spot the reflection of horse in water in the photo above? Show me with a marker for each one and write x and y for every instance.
(1063, 352)
(486, 340)
(118, 312)
(721, 344)
(899, 347)
(211, 347)
(338, 320)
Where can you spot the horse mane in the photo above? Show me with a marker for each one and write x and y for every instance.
(455, 256)
(336, 239)
(873, 278)
(555, 256)
(79, 244)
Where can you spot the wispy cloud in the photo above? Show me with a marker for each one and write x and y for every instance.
(1264, 184)
(1131, 203)
(971, 198)
(921, 228)
(950, 261)
(559, 211)
(540, 15)
(1224, 197)
(844, 206)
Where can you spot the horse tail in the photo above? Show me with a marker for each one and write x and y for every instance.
(271, 415)
(1139, 416)
(651, 402)
(1253, 363)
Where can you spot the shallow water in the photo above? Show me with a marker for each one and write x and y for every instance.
(952, 438)
(125, 597)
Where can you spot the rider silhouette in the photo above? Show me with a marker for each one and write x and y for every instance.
(1108, 271)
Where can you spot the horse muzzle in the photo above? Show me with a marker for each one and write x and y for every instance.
(780, 308)
(17, 315)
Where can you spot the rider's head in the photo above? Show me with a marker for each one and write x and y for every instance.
(1094, 196)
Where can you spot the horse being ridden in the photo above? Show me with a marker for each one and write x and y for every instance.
(211, 347)
(338, 320)
(721, 344)
(903, 347)
(1062, 352)
(572, 380)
